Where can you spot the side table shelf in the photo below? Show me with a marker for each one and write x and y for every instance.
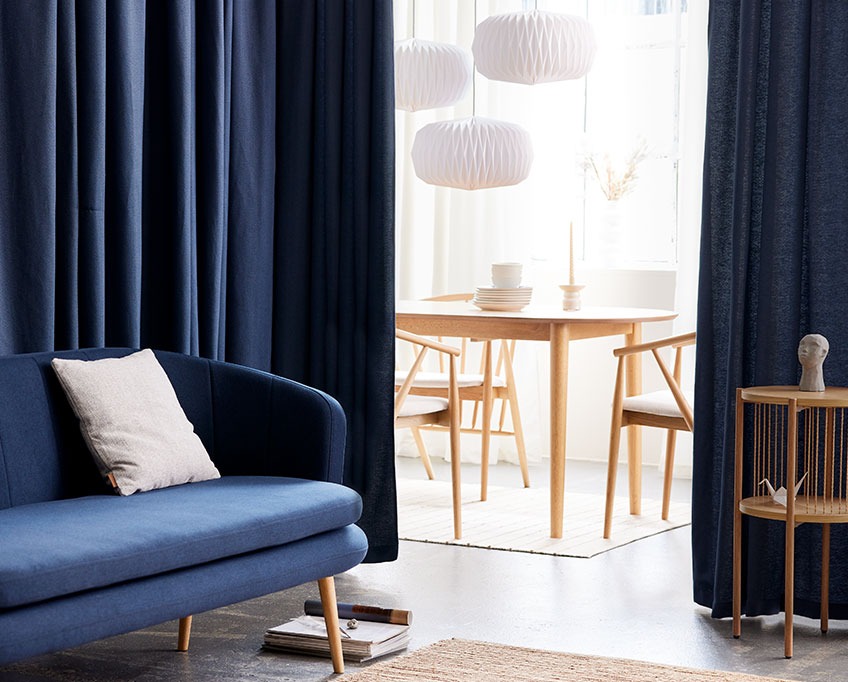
(816, 509)
(797, 438)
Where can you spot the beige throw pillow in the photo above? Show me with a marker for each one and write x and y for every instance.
(133, 423)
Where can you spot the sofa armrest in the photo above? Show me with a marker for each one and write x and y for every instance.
(256, 423)
(265, 424)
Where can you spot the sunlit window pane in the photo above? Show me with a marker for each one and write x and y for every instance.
(631, 99)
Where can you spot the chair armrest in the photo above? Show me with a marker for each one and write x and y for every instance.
(672, 379)
(424, 341)
(267, 425)
(670, 341)
(424, 344)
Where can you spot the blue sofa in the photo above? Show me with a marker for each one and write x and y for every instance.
(78, 563)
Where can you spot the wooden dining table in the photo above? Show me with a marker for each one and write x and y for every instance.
(558, 327)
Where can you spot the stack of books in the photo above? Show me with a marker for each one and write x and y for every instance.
(367, 632)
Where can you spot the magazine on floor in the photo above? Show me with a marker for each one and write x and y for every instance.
(362, 640)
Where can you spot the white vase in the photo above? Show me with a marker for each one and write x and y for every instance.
(613, 236)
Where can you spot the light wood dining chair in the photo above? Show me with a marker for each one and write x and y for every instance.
(494, 380)
(416, 411)
(670, 408)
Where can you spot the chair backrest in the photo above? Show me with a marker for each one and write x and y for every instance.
(672, 377)
(463, 342)
(506, 349)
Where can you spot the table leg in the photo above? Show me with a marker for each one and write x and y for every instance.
(633, 374)
(559, 396)
(487, 420)
(737, 516)
(825, 576)
(789, 588)
(789, 569)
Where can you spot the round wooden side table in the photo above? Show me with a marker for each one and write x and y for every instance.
(798, 442)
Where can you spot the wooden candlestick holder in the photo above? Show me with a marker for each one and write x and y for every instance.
(571, 296)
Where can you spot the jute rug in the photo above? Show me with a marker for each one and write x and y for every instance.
(457, 660)
(518, 519)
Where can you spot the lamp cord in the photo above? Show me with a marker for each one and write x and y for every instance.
(474, 72)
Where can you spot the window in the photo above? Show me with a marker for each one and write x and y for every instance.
(648, 84)
(632, 99)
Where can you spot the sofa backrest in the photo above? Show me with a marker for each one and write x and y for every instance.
(42, 453)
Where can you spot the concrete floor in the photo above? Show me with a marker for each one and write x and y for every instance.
(632, 602)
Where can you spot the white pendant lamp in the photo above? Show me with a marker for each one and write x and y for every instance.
(472, 153)
(429, 75)
(534, 47)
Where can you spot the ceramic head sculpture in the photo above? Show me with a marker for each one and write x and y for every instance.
(812, 351)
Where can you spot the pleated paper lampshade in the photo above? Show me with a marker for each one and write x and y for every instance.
(429, 75)
(472, 153)
(534, 47)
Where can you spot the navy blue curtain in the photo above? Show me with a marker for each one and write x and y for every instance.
(773, 268)
(213, 178)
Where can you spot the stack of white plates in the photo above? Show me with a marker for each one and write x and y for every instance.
(494, 298)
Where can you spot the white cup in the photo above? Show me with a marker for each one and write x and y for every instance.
(506, 275)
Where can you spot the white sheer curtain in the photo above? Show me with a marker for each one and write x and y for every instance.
(447, 238)
(693, 124)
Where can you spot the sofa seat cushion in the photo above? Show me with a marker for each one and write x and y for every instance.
(66, 546)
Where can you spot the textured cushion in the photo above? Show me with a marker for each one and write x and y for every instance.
(661, 403)
(65, 546)
(422, 404)
(441, 380)
(133, 423)
(85, 616)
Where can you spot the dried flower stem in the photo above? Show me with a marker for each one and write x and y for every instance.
(614, 181)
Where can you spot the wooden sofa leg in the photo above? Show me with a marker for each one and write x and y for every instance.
(184, 634)
(327, 590)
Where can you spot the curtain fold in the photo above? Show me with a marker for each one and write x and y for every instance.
(28, 133)
(209, 177)
(125, 83)
(773, 250)
(214, 36)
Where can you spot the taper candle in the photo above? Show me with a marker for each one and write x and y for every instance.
(571, 252)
